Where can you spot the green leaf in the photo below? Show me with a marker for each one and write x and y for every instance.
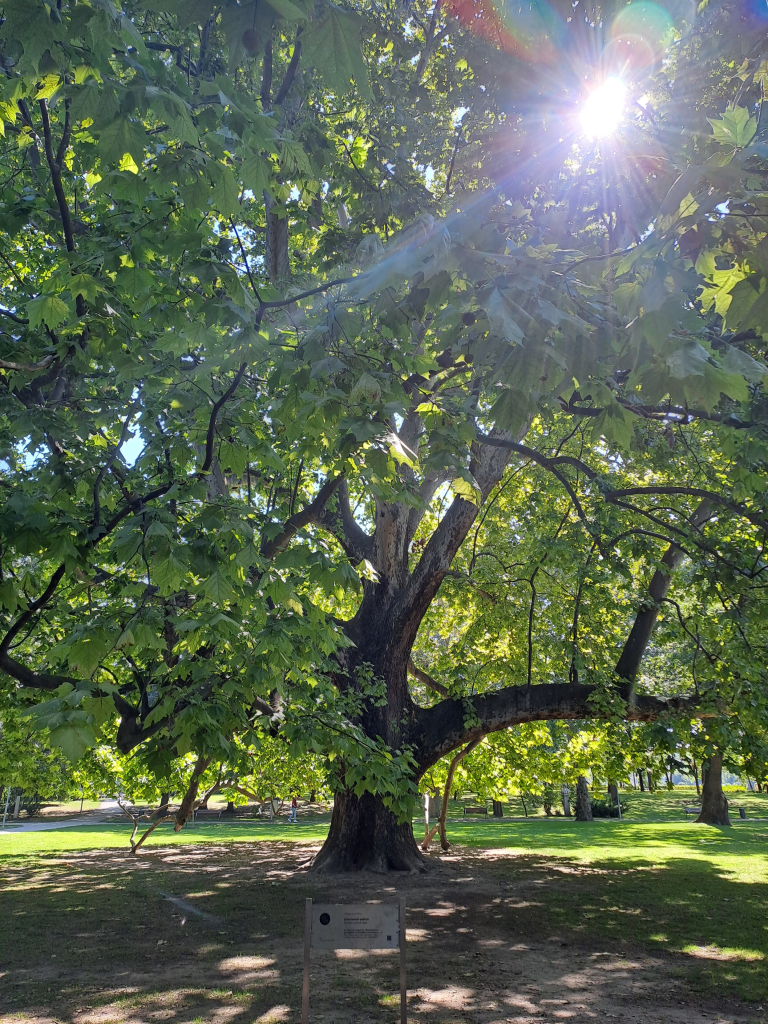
(734, 128)
(501, 309)
(218, 588)
(49, 310)
(74, 738)
(255, 173)
(85, 285)
(332, 46)
(122, 136)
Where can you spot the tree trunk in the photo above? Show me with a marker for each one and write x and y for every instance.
(566, 798)
(583, 805)
(276, 256)
(696, 776)
(16, 807)
(714, 806)
(613, 792)
(641, 780)
(650, 781)
(366, 836)
(498, 809)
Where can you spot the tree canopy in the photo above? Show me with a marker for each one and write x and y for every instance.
(336, 354)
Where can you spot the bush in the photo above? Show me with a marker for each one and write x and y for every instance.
(607, 808)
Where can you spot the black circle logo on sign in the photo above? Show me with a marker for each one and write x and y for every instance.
(325, 919)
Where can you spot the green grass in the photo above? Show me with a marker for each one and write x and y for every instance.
(116, 836)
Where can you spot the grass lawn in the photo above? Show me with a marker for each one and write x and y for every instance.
(696, 897)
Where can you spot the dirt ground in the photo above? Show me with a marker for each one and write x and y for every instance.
(214, 934)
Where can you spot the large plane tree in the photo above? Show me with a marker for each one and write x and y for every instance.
(296, 297)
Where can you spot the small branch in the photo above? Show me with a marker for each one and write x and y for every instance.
(211, 436)
(245, 261)
(41, 602)
(6, 364)
(426, 53)
(695, 492)
(12, 316)
(426, 679)
(108, 465)
(266, 77)
(290, 74)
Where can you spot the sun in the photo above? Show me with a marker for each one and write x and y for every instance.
(603, 109)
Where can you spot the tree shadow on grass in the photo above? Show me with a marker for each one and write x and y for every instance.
(92, 938)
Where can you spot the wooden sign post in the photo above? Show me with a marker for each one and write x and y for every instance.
(354, 926)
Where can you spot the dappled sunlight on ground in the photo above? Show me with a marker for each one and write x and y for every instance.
(214, 934)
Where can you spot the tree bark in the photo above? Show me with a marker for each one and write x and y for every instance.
(583, 804)
(366, 836)
(613, 792)
(276, 256)
(498, 809)
(714, 806)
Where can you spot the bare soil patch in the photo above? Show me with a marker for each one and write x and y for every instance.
(214, 934)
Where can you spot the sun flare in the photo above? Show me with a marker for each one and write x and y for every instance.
(603, 109)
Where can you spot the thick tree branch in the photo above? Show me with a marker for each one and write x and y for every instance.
(636, 644)
(301, 519)
(340, 522)
(441, 729)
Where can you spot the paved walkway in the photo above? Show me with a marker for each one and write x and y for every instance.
(91, 818)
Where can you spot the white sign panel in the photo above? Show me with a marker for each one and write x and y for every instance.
(355, 926)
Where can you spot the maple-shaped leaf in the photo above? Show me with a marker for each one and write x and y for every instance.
(122, 136)
(48, 309)
(734, 128)
(332, 46)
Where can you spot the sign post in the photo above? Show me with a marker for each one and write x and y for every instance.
(354, 926)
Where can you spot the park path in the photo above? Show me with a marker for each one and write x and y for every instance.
(108, 807)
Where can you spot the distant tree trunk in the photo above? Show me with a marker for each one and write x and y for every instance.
(714, 806)
(650, 782)
(583, 805)
(440, 826)
(435, 804)
(759, 787)
(640, 780)
(498, 809)
(522, 801)
(311, 796)
(165, 799)
(230, 808)
(696, 776)
(613, 792)
(16, 807)
(187, 806)
(566, 797)
(276, 255)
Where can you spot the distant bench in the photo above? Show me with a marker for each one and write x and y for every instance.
(476, 810)
(203, 814)
(697, 811)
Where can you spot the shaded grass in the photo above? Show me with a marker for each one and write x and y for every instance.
(697, 893)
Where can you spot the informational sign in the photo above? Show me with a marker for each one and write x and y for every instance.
(355, 926)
